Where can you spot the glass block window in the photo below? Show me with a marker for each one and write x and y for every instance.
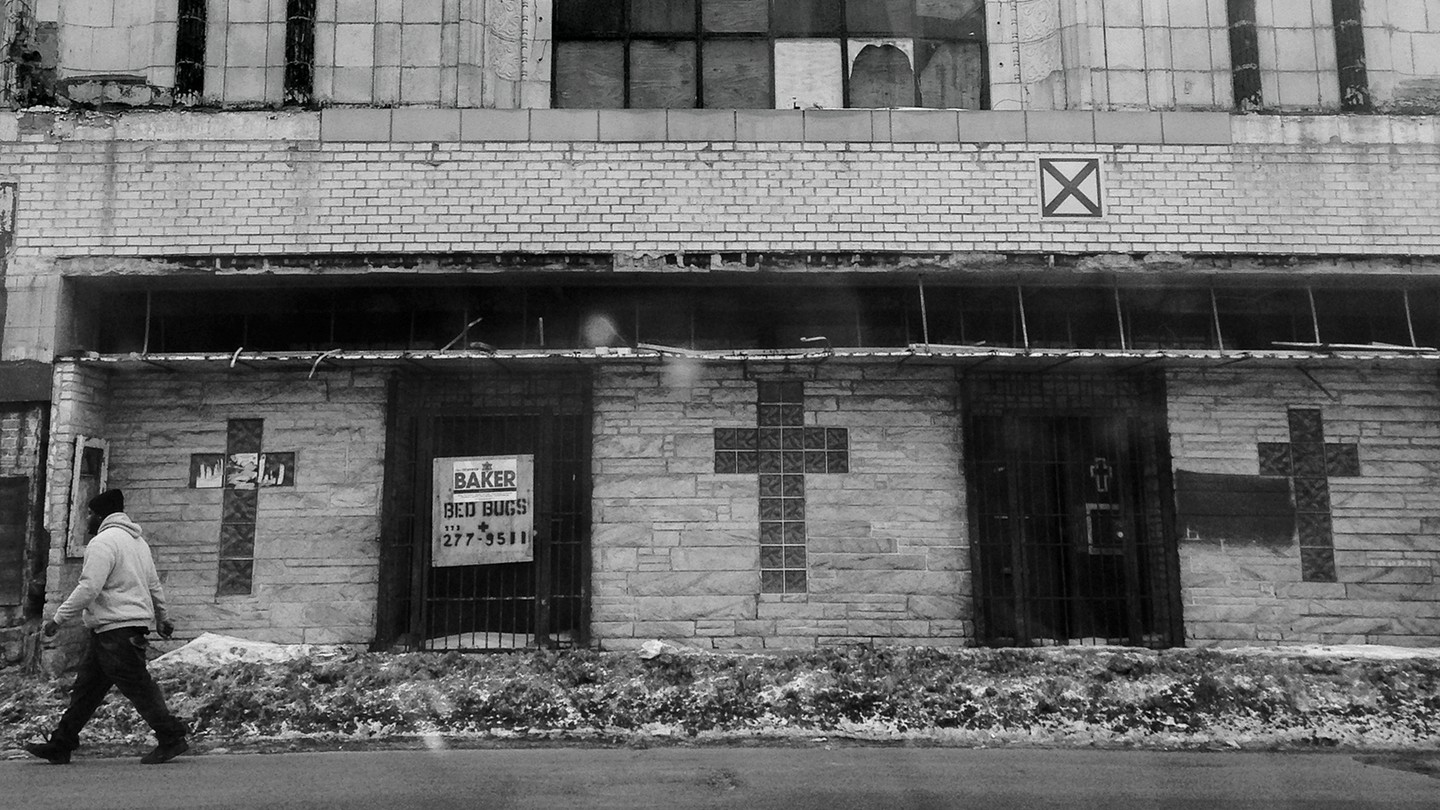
(782, 450)
(800, 54)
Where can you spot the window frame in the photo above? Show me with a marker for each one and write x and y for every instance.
(699, 36)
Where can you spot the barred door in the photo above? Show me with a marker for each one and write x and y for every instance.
(1069, 539)
(489, 607)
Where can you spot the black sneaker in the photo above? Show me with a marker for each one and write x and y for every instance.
(165, 753)
(50, 752)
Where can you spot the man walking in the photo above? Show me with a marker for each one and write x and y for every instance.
(120, 596)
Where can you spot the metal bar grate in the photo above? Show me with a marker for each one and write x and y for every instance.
(1069, 541)
(501, 606)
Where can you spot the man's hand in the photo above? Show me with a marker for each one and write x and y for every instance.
(49, 628)
(166, 629)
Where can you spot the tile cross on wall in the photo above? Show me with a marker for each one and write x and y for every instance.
(241, 471)
(1310, 462)
(781, 449)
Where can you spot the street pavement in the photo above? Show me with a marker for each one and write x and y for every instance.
(750, 777)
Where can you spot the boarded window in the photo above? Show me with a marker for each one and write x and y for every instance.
(662, 16)
(807, 18)
(736, 16)
(951, 73)
(880, 75)
(14, 518)
(879, 16)
(738, 74)
(582, 18)
(590, 74)
(662, 74)
(755, 54)
(807, 73)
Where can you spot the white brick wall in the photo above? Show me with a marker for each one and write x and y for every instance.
(1306, 186)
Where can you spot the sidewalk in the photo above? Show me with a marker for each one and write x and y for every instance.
(753, 778)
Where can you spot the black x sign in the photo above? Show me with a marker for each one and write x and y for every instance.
(1070, 187)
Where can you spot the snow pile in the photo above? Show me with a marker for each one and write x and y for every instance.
(1377, 652)
(213, 648)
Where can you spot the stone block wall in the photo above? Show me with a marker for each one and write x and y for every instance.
(1298, 69)
(113, 52)
(316, 543)
(245, 52)
(450, 53)
(1386, 533)
(1043, 54)
(1402, 54)
(1110, 55)
(676, 544)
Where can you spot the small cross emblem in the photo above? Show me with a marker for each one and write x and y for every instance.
(1070, 187)
(781, 449)
(1310, 462)
(1100, 473)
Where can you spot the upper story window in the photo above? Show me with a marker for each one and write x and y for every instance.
(770, 53)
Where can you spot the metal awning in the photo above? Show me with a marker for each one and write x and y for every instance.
(930, 354)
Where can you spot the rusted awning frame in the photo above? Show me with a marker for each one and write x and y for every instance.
(437, 360)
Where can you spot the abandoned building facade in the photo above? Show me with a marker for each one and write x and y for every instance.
(478, 324)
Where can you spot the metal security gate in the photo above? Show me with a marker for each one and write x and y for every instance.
(1068, 502)
(543, 603)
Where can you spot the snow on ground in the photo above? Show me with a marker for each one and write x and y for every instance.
(1372, 651)
(213, 648)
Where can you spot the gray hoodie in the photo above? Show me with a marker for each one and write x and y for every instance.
(118, 584)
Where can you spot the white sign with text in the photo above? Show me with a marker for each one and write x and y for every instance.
(484, 510)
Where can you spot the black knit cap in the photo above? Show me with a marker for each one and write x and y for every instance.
(108, 503)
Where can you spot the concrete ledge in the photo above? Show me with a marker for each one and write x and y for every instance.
(769, 125)
(1128, 127)
(992, 126)
(414, 124)
(345, 124)
(165, 125)
(919, 126)
(632, 125)
(1059, 126)
(1196, 128)
(839, 125)
(494, 125)
(417, 124)
(564, 125)
(700, 125)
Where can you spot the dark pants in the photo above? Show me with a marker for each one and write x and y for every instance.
(116, 658)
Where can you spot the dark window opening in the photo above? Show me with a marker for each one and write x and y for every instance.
(1244, 54)
(299, 51)
(1350, 55)
(740, 53)
(190, 52)
(758, 316)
